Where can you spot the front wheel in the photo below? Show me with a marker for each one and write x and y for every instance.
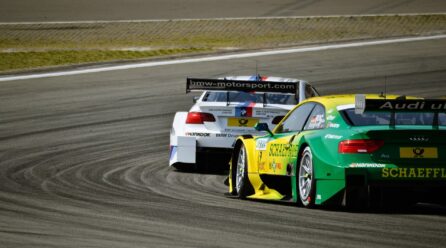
(242, 185)
(306, 181)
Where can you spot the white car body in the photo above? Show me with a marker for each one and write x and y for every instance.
(231, 118)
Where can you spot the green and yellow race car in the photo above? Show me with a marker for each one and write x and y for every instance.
(351, 150)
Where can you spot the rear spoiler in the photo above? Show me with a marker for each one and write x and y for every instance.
(199, 84)
(399, 105)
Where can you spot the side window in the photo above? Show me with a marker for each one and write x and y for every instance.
(317, 118)
(442, 119)
(309, 92)
(296, 120)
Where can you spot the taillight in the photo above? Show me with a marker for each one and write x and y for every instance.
(360, 146)
(277, 119)
(199, 118)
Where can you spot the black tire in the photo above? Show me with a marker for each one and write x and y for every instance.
(241, 185)
(306, 184)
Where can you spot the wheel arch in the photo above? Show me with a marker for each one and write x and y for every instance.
(329, 179)
(232, 162)
(310, 198)
(303, 144)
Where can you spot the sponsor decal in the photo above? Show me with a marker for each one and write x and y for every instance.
(267, 112)
(419, 139)
(333, 125)
(366, 165)
(243, 111)
(242, 122)
(283, 150)
(316, 122)
(196, 134)
(385, 155)
(275, 166)
(222, 111)
(330, 117)
(240, 131)
(428, 105)
(413, 105)
(226, 135)
(418, 152)
(239, 85)
(333, 136)
(413, 173)
(261, 144)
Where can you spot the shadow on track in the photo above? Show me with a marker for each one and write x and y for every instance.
(425, 209)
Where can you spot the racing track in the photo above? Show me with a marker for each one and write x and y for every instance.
(88, 10)
(83, 159)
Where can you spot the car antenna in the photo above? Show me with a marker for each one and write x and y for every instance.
(384, 94)
(259, 78)
(257, 70)
(227, 94)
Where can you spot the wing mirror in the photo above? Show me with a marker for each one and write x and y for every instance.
(263, 127)
(195, 99)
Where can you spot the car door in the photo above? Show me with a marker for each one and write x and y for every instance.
(279, 150)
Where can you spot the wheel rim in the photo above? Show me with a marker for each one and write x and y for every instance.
(240, 169)
(305, 176)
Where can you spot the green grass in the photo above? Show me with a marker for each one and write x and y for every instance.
(29, 46)
(25, 60)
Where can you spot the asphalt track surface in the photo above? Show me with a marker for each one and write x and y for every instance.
(84, 159)
(82, 10)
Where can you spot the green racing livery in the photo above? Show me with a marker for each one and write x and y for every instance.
(346, 150)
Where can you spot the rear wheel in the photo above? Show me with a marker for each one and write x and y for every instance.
(241, 183)
(306, 182)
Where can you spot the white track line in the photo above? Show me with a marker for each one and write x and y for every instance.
(221, 19)
(219, 57)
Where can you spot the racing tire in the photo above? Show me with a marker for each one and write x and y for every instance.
(242, 186)
(306, 184)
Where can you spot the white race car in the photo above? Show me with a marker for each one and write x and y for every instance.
(230, 107)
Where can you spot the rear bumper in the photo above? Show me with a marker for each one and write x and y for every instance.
(376, 189)
(373, 186)
(182, 150)
(191, 150)
(388, 177)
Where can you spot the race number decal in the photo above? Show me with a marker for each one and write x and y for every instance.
(261, 144)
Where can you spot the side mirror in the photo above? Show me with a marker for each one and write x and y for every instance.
(195, 99)
(263, 127)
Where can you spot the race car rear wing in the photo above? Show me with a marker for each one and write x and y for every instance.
(400, 104)
(195, 84)
(301, 89)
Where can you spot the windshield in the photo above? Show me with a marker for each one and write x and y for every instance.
(383, 118)
(239, 96)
